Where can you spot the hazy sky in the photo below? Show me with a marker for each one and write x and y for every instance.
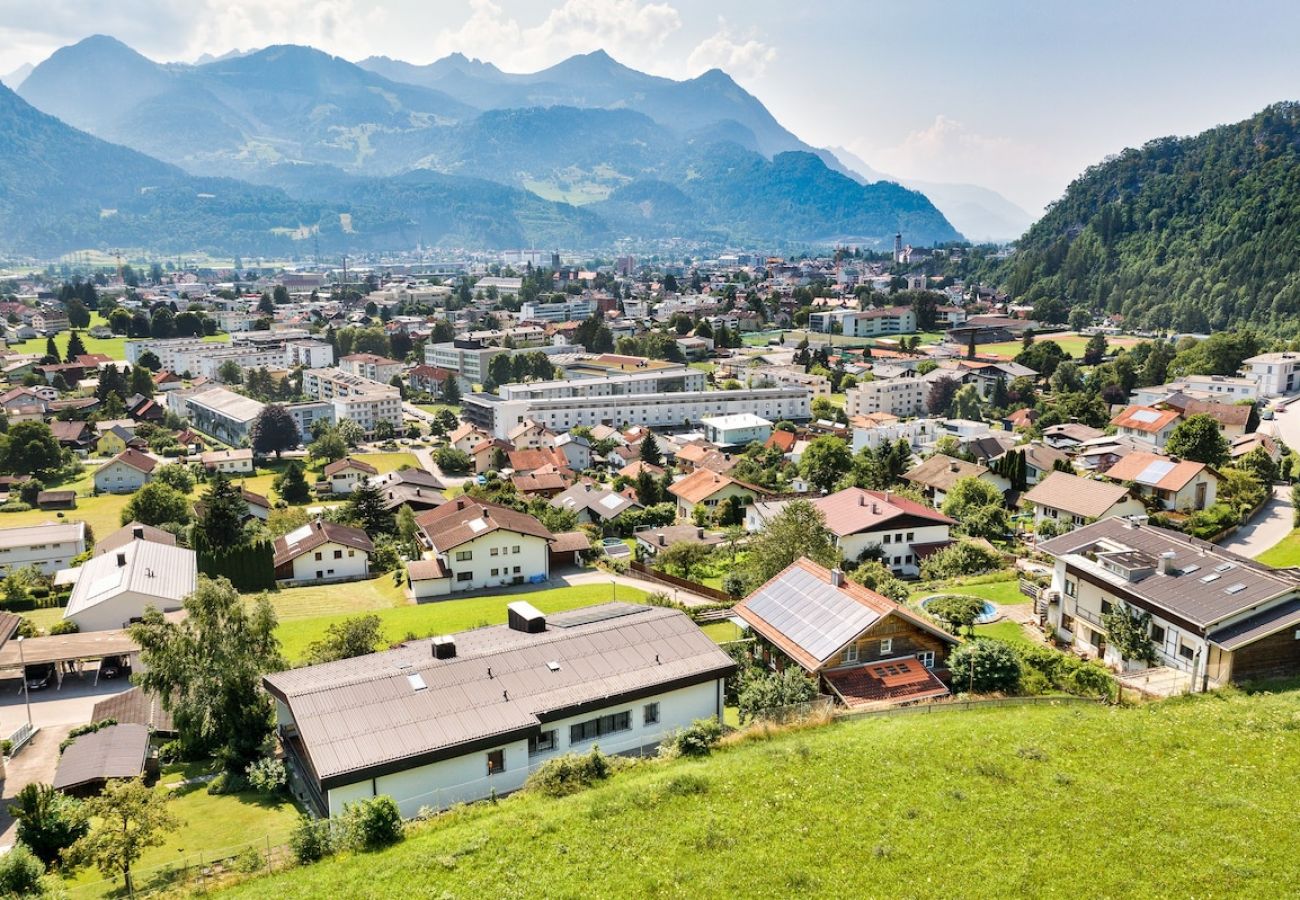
(1017, 95)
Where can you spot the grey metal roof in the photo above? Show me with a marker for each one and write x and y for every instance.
(118, 751)
(816, 615)
(1207, 584)
(368, 712)
(1249, 630)
(151, 569)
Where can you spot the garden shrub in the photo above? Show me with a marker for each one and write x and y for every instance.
(310, 839)
(250, 860)
(569, 774)
(65, 626)
(20, 873)
(372, 823)
(79, 730)
(962, 558)
(267, 775)
(985, 666)
(697, 739)
(227, 783)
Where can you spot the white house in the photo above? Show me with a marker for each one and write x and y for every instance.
(343, 475)
(49, 547)
(1177, 484)
(1071, 501)
(125, 473)
(477, 544)
(1276, 374)
(736, 430)
(471, 715)
(116, 588)
(228, 461)
(1215, 616)
(1147, 425)
(322, 551)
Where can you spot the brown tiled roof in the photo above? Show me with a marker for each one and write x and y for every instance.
(704, 483)
(942, 472)
(528, 460)
(535, 482)
(349, 462)
(465, 518)
(136, 460)
(903, 680)
(1077, 496)
(137, 707)
(317, 533)
(570, 541)
(781, 440)
(637, 466)
(1226, 414)
(126, 534)
(1155, 470)
(426, 570)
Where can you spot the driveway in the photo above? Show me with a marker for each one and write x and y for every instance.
(1268, 527)
(35, 763)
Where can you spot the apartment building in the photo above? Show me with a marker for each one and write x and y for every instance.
(498, 415)
(469, 360)
(569, 310)
(223, 414)
(49, 547)
(864, 323)
(372, 366)
(787, 376)
(1277, 374)
(311, 354)
(903, 395)
(654, 381)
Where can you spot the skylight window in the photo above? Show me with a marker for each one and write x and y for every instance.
(1236, 588)
(1211, 577)
(1224, 567)
(416, 681)
(1190, 569)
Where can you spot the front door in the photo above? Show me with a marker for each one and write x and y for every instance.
(1200, 495)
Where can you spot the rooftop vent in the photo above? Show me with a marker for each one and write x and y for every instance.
(137, 533)
(121, 560)
(525, 617)
(1235, 588)
(837, 577)
(444, 647)
(553, 665)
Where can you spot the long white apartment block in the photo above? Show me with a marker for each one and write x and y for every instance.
(498, 415)
(362, 400)
(654, 381)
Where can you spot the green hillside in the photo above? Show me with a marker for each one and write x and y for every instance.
(1190, 797)
(1191, 234)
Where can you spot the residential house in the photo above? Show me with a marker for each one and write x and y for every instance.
(132, 531)
(322, 551)
(494, 703)
(1176, 484)
(708, 489)
(1040, 460)
(576, 449)
(1069, 435)
(477, 544)
(654, 539)
(1232, 418)
(228, 461)
(542, 483)
(466, 437)
(863, 649)
(76, 436)
(125, 473)
(736, 430)
(593, 505)
(343, 475)
(1071, 501)
(416, 488)
(486, 452)
(258, 506)
(1244, 444)
(49, 547)
(1215, 617)
(115, 440)
(1146, 424)
(115, 588)
(937, 475)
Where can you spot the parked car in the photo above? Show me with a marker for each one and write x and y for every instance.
(115, 667)
(39, 676)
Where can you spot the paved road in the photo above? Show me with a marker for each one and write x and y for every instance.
(1270, 524)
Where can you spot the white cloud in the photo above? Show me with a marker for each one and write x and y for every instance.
(742, 57)
(632, 31)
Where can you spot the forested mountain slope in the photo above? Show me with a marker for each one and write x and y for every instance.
(1191, 234)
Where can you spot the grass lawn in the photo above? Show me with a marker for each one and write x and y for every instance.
(1006, 630)
(422, 620)
(388, 462)
(722, 632)
(114, 346)
(103, 514)
(997, 802)
(706, 367)
(1285, 552)
(211, 827)
(1003, 591)
(1071, 343)
(435, 408)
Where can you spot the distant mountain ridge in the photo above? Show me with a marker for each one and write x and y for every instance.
(580, 133)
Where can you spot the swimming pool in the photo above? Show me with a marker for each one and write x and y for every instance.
(988, 614)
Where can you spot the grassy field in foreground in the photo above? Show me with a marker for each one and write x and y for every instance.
(1285, 552)
(427, 619)
(1013, 801)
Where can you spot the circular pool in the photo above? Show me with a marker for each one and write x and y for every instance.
(988, 614)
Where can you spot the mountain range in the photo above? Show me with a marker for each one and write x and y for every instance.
(588, 149)
(1187, 234)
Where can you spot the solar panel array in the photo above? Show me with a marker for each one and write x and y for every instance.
(817, 616)
(1154, 472)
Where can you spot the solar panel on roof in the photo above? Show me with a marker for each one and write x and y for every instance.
(817, 616)
(590, 614)
(1155, 471)
(1146, 415)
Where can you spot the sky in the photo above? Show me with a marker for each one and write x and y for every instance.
(1016, 95)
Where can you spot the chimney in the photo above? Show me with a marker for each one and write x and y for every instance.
(444, 647)
(837, 577)
(1166, 563)
(862, 500)
(525, 617)
(952, 466)
(699, 533)
(887, 496)
(121, 560)
(137, 533)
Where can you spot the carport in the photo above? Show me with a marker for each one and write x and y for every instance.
(65, 649)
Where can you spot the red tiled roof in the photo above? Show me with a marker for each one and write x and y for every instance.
(457, 522)
(854, 510)
(136, 460)
(781, 440)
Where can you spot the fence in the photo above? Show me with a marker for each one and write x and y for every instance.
(20, 737)
(957, 705)
(643, 571)
(821, 705)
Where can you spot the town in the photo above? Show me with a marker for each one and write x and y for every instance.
(545, 507)
(629, 449)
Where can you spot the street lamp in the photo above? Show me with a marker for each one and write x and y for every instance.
(26, 697)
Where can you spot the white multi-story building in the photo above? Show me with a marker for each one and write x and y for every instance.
(225, 415)
(568, 310)
(864, 323)
(499, 415)
(1276, 374)
(49, 547)
(469, 360)
(311, 354)
(654, 381)
(372, 366)
(904, 395)
(353, 397)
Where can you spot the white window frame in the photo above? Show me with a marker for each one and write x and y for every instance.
(927, 658)
(886, 646)
(851, 653)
